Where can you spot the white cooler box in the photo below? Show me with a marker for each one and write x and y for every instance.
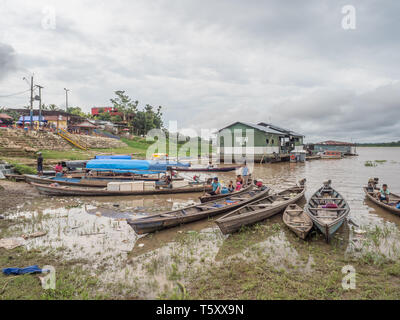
(113, 186)
(137, 186)
(149, 185)
(125, 186)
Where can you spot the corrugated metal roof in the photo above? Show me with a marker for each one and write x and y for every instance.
(5, 116)
(285, 131)
(255, 126)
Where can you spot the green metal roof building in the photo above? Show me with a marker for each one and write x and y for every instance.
(235, 142)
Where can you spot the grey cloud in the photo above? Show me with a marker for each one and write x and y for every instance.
(210, 63)
(8, 60)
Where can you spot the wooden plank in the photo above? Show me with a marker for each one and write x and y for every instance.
(328, 209)
(327, 198)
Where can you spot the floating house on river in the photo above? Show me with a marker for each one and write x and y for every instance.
(346, 148)
(263, 141)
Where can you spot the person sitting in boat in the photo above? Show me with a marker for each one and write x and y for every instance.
(258, 183)
(216, 187)
(398, 205)
(239, 179)
(371, 185)
(231, 187)
(238, 186)
(384, 193)
(58, 169)
(168, 180)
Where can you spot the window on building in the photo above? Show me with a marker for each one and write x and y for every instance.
(272, 141)
(267, 140)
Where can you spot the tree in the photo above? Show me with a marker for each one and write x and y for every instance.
(122, 103)
(143, 120)
(77, 111)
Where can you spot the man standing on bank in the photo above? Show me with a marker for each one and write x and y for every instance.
(40, 164)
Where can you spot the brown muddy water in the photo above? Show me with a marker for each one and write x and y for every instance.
(95, 229)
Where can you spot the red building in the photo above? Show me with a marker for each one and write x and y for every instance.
(111, 110)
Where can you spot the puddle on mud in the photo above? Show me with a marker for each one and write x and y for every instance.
(95, 230)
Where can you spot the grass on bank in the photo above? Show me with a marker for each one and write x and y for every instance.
(22, 168)
(240, 277)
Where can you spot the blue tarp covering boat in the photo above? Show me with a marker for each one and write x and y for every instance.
(116, 157)
(133, 166)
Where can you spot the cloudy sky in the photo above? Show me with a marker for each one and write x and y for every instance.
(210, 63)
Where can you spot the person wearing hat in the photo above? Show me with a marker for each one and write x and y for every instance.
(216, 187)
(40, 164)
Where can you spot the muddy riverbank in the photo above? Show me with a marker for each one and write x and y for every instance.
(14, 194)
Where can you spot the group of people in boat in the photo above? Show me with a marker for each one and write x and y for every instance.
(233, 186)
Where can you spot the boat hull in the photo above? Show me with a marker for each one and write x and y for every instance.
(301, 227)
(229, 224)
(391, 209)
(222, 169)
(328, 227)
(151, 224)
(69, 191)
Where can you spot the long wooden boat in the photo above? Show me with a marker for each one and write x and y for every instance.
(196, 212)
(207, 198)
(331, 155)
(320, 209)
(204, 169)
(297, 220)
(393, 198)
(260, 209)
(82, 181)
(51, 190)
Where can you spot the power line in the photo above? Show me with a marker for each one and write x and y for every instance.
(14, 94)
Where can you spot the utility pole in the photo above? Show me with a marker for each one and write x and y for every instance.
(31, 111)
(40, 104)
(66, 99)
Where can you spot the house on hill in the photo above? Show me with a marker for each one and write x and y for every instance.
(271, 142)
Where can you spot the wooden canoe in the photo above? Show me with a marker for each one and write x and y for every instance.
(389, 207)
(207, 198)
(196, 212)
(200, 169)
(260, 209)
(81, 191)
(297, 220)
(96, 182)
(327, 220)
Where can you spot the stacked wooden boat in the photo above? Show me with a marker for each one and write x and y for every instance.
(174, 218)
(327, 209)
(82, 180)
(54, 190)
(261, 209)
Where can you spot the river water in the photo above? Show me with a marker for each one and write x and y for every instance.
(95, 228)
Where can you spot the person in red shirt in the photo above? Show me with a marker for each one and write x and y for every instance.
(58, 168)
